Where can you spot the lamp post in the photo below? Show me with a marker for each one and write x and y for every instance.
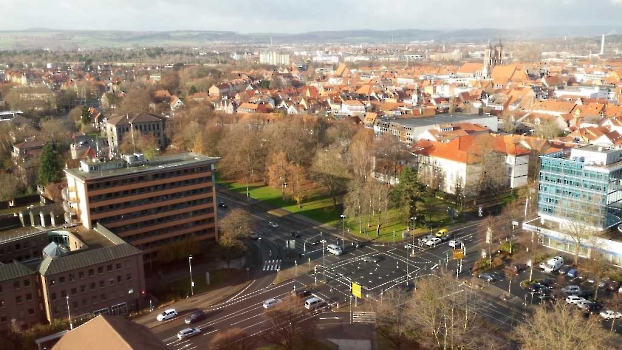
(323, 262)
(69, 313)
(191, 282)
(343, 232)
(407, 267)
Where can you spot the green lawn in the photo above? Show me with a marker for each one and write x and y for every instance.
(182, 286)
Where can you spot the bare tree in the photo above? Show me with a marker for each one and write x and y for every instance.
(284, 323)
(329, 169)
(236, 224)
(488, 170)
(243, 152)
(581, 224)
(279, 171)
(563, 326)
(390, 323)
(232, 339)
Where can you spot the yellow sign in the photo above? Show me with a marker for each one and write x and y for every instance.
(356, 290)
(458, 254)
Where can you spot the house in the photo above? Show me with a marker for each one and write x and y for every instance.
(175, 103)
(120, 126)
(471, 70)
(248, 107)
(25, 158)
(220, 90)
(352, 108)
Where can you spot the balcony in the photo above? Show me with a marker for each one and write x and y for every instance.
(66, 194)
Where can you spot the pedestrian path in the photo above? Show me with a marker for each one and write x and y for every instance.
(363, 317)
(272, 265)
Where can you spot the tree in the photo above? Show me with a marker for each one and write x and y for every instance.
(582, 220)
(236, 224)
(232, 339)
(615, 304)
(284, 323)
(361, 147)
(85, 116)
(10, 186)
(146, 144)
(170, 81)
(390, 323)
(49, 167)
(409, 194)
(279, 171)
(563, 326)
(488, 171)
(136, 100)
(329, 169)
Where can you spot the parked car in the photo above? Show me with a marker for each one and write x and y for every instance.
(571, 289)
(196, 316)
(564, 269)
(608, 284)
(548, 282)
(535, 287)
(433, 242)
(610, 314)
(583, 304)
(553, 264)
(223, 205)
(270, 303)
(587, 294)
(273, 224)
(486, 277)
(518, 268)
(188, 332)
(573, 299)
(572, 273)
(167, 315)
(594, 308)
(455, 244)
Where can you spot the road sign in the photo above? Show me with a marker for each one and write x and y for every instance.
(356, 290)
(489, 235)
(458, 254)
(480, 211)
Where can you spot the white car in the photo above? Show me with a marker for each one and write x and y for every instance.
(455, 244)
(270, 303)
(582, 304)
(573, 299)
(167, 315)
(432, 242)
(273, 224)
(188, 332)
(610, 314)
(572, 289)
(409, 246)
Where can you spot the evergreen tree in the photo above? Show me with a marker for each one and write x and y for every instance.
(86, 116)
(49, 167)
(409, 193)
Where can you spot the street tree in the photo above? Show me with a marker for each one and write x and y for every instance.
(329, 169)
(279, 171)
(236, 224)
(390, 321)
(563, 326)
(360, 148)
(582, 221)
(615, 304)
(49, 166)
(232, 339)
(284, 323)
(409, 194)
(355, 201)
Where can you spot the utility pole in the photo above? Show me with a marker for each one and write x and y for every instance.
(69, 313)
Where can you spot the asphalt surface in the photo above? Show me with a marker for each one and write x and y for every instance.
(397, 267)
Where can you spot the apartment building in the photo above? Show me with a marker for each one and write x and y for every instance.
(147, 203)
(19, 296)
(122, 126)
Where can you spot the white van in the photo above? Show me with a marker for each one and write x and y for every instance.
(553, 264)
(167, 315)
(313, 303)
(334, 249)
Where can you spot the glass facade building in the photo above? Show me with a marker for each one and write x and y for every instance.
(583, 184)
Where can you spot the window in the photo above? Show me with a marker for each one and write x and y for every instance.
(74, 304)
(118, 266)
(0, 289)
(91, 272)
(18, 299)
(94, 299)
(127, 264)
(111, 281)
(119, 279)
(29, 297)
(93, 285)
(3, 319)
(61, 280)
(2, 304)
(102, 284)
(128, 277)
(16, 285)
(109, 268)
(74, 291)
(72, 277)
(31, 311)
(26, 283)
(53, 296)
(83, 289)
(52, 282)
(55, 310)
(84, 302)
(100, 270)
(63, 293)
(81, 274)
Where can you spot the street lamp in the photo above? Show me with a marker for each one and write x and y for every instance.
(323, 261)
(343, 232)
(191, 282)
(69, 313)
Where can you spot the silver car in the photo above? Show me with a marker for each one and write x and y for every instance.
(188, 332)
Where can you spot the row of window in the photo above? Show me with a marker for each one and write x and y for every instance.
(154, 211)
(18, 299)
(17, 284)
(165, 219)
(92, 286)
(4, 319)
(84, 302)
(147, 177)
(91, 272)
(149, 189)
(152, 200)
(181, 227)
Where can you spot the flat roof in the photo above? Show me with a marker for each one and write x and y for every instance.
(155, 164)
(90, 237)
(437, 119)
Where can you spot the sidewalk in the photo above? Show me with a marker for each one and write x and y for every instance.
(186, 306)
(496, 295)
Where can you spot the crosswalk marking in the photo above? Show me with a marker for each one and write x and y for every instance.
(363, 317)
(272, 265)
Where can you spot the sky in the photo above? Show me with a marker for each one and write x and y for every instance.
(297, 16)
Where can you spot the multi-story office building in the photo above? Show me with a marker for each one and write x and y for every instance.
(584, 183)
(147, 203)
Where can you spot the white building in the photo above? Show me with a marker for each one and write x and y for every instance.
(274, 58)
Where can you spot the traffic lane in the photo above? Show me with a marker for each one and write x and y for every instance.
(228, 314)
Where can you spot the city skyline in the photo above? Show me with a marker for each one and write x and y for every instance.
(296, 17)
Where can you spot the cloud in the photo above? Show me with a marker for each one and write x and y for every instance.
(293, 16)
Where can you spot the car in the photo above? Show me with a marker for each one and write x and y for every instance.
(572, 273)
(188, 332)
(357, 244)
(594, 308)
(409, 246)
(323, 241)
(433, 242)
(425, 239)
(223, 205)
(455, 244)
(167, 315)
(608, 284)
(536, 287)
(486, 277)
(571, 289)
(442, 233)
(254, 236)
(301, 293)
(610, 314)
(196, 316)
(564, 269)
(518, 268)
(295, 234)
(573, 299)
(371, 258)
(273, 224)
(314, 242)
(271, 302)
(587, 294)
(583, 304)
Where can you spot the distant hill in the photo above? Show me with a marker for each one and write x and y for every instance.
(39, 38)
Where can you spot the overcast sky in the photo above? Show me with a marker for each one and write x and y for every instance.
(295, 16)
